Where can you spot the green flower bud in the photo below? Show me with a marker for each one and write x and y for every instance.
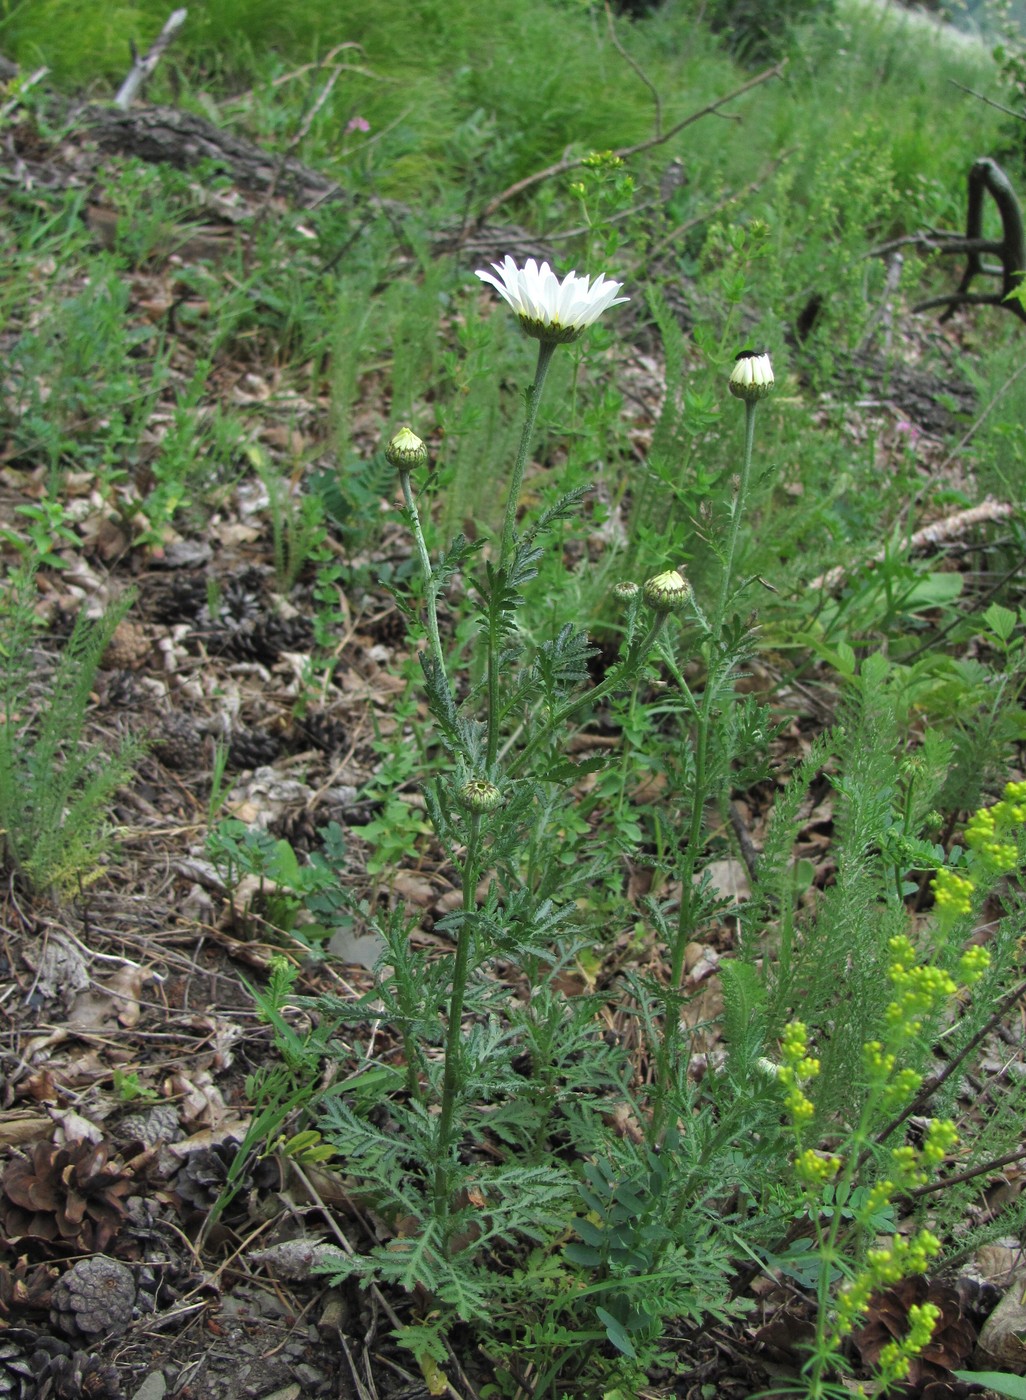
(406, 452)
(478, 795)
(752, 376)
(667, 592)
(626, 591)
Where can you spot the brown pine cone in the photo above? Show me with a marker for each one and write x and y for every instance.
(319, 730)
(887, 1320)
(36, 1366)
(173, 598)
(96, 1297)
(69, 1196)
(247, 748)
(263, 640)
(81, 1376)
(26, 1289)
(17, 1375)
(129, 647)
(178, 743)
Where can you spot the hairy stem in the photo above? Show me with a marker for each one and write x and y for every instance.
(704, 720)
(532, 400)
(737, 511)
(430, 586)
(452, 1077)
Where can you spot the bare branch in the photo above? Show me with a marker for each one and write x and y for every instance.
(18, 89)
(950, 528)
(987, 177)
(631, 62)
(143, 67)
(573, 162)
(1008, 111)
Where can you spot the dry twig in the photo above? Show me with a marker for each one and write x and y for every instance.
(142, 68)
(950, 528)
(573, 162)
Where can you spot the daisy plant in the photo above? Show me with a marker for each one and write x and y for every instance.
(495, 813)
(554, 312)
(494, 796)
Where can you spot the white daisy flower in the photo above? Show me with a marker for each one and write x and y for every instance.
(549, 309)
(752, 376)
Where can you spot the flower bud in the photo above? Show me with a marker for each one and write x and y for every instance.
(405, 451)
(477, 795)
(667, 592)
(626, 591)
(752, 376)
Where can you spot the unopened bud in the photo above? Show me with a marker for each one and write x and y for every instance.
(667, 592)
(752, 376)
(625, 591)
(478, 795)
(406, 452)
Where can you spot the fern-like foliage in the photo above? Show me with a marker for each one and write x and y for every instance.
(55, 788)
(744, 1011)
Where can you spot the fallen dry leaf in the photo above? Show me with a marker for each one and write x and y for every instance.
(21, 1125)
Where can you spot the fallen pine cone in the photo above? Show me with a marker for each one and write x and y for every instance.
(96, 1297)
(34, 1366)
(26, 1288)
(69, 1196)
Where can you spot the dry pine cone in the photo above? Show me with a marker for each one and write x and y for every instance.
(34, 1366)
(96, 1297)
(26, 1288)
(67, 1196)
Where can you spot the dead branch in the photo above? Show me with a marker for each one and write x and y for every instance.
(632, 62)
(573, 162)
(18, 89)
(950, 528)
(142, 68)
(1008, 111)
(986, 177)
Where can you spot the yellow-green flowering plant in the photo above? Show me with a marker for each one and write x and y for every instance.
(992, 837)
(919, 993)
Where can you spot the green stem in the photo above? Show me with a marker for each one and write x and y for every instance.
(452, 1077)
(669, 1047)
(736, 514)
(704, 720)
(493, 716)
(533, 399)
(430, 587)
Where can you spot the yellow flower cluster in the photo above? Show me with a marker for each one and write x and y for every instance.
(952, 893)
(983, 834)
(990, 850)
(921, 989)
(972, 965)
(797, 1066)
(895, 1359)
(815, 1169)
(882, 1267)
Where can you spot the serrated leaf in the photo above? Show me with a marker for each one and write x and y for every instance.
(1001, 621)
